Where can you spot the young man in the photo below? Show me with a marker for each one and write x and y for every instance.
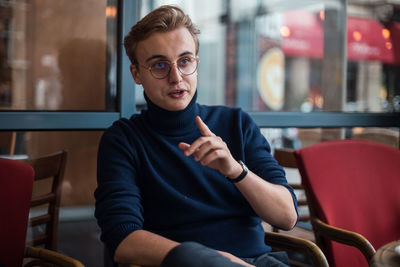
(173, 186)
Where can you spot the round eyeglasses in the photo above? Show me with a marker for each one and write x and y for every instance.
(160, 69)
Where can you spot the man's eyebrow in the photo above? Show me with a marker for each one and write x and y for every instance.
(186, 53)
(156, 57)
(164, 57)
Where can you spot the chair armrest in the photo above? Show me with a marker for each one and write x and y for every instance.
(51, 257)
(345, 237)
(305, 246)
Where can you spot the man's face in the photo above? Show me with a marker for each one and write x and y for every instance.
(175, 91)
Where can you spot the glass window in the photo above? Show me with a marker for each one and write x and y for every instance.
(58, 55)
(268, 55)
(373, 53)
(285, 56)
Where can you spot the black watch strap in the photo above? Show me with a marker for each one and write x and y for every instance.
(242, 175)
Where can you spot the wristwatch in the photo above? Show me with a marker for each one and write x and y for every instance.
(242, 175)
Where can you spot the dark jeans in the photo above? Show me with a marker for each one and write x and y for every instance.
(271, 259)
(192, 254)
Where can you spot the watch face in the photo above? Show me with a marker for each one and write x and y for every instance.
(243, 165)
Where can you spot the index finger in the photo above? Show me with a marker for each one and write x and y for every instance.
(204, 130)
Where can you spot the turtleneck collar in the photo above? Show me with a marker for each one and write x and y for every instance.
(171, 123)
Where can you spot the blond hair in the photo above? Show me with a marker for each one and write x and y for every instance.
(163, 19)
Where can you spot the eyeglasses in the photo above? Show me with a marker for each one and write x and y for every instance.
(186, 65)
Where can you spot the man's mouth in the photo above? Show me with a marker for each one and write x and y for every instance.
(177, 93)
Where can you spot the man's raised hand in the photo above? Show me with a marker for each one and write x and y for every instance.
(211, 151)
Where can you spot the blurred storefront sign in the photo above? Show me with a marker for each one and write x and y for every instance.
(302, 35)
(271, 78)
(367, 40)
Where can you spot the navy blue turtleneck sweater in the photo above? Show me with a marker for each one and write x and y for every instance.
(146, 182)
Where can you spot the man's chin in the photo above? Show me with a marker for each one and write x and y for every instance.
(178, 104)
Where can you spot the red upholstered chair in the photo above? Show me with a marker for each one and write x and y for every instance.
(353, 191)
(16, 183)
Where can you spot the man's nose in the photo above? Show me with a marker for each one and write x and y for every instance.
(175, 76)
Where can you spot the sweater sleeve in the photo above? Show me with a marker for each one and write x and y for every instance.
(258, 158)
(118, 199)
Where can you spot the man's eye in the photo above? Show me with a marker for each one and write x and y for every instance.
(184, 61)
(160, 65)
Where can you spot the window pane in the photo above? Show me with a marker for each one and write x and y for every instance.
(266, 55)
(291, 56)
(58, 55)
(373, 52)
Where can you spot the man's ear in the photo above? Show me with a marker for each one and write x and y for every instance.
(135, 73)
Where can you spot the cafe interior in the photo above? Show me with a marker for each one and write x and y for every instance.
(321, 78)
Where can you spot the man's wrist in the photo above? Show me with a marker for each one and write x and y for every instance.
(235, 171)
(242, 174)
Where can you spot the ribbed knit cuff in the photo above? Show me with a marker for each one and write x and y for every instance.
(114, 238)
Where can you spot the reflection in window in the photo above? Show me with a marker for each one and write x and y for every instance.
(58, 55)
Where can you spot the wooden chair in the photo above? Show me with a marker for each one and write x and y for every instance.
(49, 173)
(353, 191)
(16, 183)
(7, 143)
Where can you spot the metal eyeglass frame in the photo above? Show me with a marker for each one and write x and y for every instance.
(197, 59)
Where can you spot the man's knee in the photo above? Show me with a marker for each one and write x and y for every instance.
(195, 255)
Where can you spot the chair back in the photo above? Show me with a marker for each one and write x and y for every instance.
(45, 204)
(16, 183)
(354, 185)
(287, 159)
(7, 143)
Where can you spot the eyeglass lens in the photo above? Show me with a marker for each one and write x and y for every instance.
(186, 65)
